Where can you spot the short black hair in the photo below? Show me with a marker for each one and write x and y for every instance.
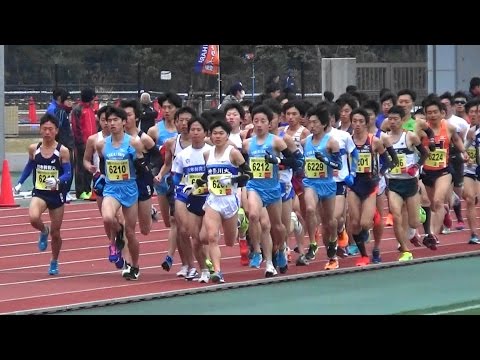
(49, 117)
(329, 96)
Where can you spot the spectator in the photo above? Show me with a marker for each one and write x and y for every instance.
(351, 89)
(273, 79)
(148, 113)
(56, 94)
(328, 96)
(65, 136)
(83, 125)
(272, 91)
(290, 86)
(475, 87)
(235, 94)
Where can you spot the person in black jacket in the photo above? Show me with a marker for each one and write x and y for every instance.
(148, 114)
(65, 135)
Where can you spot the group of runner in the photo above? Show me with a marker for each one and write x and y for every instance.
(260, 174)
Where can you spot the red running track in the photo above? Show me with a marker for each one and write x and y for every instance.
(86, 276)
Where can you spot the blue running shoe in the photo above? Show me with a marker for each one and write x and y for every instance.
(43, 239)
(474, 240)
(217, 277)
(256, 260)
(119, 238)
(53, 268)
(167, 264)
(113, 254)
(120, 263)
(353, 250)
(376, 258)
(282, 261)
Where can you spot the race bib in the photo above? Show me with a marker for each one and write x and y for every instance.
(315, 169)
(215, 188)
(118, 170)
(261, 169)
(364, 163)
(402, 165)
(192, 179)
(42, 175)
(437, 159)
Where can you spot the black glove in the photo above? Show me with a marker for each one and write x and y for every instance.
(319, 156)
(271, 158)
(141, 166)
(431, 144)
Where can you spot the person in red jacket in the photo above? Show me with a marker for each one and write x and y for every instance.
(83, 125)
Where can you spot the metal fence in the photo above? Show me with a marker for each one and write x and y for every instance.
(372, 77)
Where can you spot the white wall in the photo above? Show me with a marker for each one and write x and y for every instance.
(450, 67)
(337, 74)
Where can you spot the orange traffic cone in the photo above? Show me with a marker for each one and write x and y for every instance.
(6, 193)
(32, 111)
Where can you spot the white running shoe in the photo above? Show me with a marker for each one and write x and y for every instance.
(204, 277)
(270, 270)
(295, 224)
(183, 271)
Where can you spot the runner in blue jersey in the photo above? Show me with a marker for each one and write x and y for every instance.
(264, 190)
(122, 157)
(322, 157)
(160, 133)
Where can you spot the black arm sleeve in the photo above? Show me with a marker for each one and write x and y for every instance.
(429, 133)
(102, 164)
(393, 155)
(245, 169)
(423, 154)
(245, 156)
(289, 159)
(387, 164)
(245, 175)
(155, 159)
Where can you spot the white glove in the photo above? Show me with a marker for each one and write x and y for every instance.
(17, 188)
(51, 183)
(225, 181)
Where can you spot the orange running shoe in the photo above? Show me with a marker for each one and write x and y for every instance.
(342, 239)
(289, 255)
(332, 264)
(389, 220)
(244, 260)
(363, 261)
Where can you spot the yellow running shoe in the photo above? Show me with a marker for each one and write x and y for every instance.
(242, 221)
(209, 264)
(405, 256)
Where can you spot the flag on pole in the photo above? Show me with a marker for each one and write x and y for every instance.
(249, 56)
(208, 61)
